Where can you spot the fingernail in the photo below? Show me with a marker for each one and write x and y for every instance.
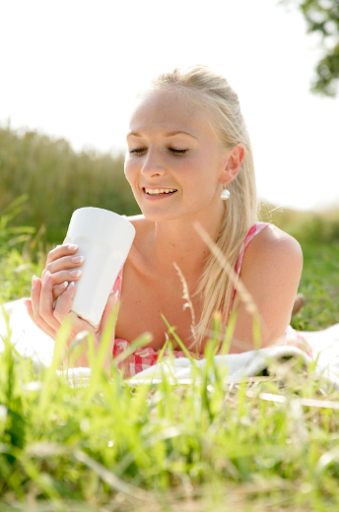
(75, 273)
(64, 284)
(78, 259)
(48, 276)
(35, 281)
(70, 286)
(73, 247)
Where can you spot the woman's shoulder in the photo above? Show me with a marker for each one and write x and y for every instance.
(274, 239)
(271, 273)
(274, 247)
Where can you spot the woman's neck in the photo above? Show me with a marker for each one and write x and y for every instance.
(177, 241)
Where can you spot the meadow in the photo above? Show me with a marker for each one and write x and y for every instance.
(269, 443)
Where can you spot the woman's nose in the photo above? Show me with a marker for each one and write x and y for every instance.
(153, 164)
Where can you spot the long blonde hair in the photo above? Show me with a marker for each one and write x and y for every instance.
(223, 110)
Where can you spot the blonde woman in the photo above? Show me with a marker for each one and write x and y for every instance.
(189, 162)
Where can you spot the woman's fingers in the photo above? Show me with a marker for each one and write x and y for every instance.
(65, 263)
(41, 324)
(46, 329)
(65, 275)
(63, 257)
(59, 289)
(64, 304)
(64, 269)
(46, 302)
(61, 251)
(63, 310)
(35, 296)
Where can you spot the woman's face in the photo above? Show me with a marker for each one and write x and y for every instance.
(174, 160)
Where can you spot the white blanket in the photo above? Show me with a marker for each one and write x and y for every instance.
(31, 342)
(28, 339)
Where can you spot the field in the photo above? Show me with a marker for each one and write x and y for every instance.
(266, 444)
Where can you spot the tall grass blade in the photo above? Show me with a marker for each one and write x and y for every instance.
(133, 493)
(172, 332)
(245, 296)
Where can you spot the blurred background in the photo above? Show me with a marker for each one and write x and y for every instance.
(70, 72)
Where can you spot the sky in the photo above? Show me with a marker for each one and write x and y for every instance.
(71, 69)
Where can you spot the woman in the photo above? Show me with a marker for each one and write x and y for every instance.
(188, 148)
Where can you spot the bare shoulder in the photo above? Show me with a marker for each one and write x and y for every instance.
(271, 273)
(273, 249)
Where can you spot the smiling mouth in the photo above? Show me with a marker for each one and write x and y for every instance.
(159, 191)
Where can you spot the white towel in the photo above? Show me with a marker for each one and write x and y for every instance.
(325, 345)
(28, 339)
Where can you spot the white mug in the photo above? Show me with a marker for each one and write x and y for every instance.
(104, 239)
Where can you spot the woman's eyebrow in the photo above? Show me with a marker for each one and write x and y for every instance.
(177, 132)
(166, 134)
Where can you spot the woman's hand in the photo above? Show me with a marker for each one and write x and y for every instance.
(49, 316)
(63, 263)
(41, 309)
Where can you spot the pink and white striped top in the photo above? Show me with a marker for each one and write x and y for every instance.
(145, 357)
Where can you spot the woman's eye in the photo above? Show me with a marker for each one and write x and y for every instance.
(138, 151)
(178, 151)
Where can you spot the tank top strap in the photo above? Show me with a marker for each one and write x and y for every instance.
(117, 284)
(253, 231)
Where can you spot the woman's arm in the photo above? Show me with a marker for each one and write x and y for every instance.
(271, 273)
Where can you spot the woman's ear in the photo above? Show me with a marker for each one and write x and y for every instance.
(232, 163)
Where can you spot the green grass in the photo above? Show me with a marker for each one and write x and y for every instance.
(320, 285)
(17, 261)
(255, 444)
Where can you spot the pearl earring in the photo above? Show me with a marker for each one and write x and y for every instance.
(224, 194)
